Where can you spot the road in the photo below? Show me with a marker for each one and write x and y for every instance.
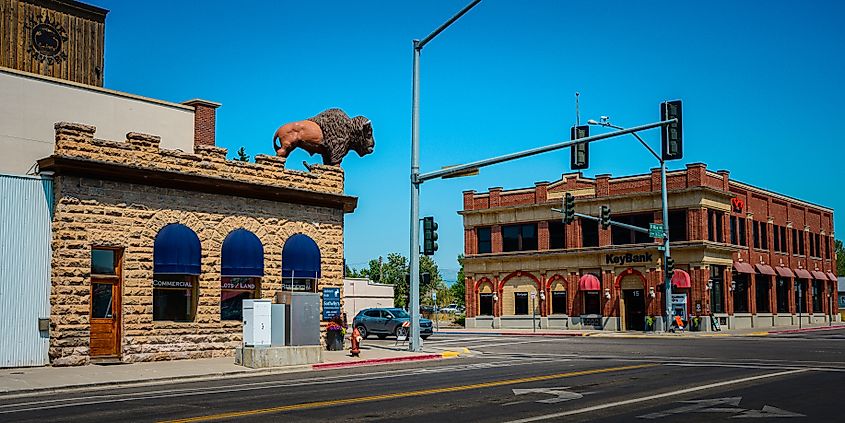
(790, 377)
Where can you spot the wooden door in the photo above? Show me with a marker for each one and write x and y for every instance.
(105, 303)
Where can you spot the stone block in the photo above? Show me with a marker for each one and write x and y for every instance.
(263, 357)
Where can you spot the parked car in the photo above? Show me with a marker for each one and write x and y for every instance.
(451, 309)
(382, 322)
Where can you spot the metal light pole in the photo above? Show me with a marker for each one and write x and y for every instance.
(665, 206)
(414, 343)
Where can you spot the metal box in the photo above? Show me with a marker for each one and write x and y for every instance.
(256, 323)
(277, 325)
(302, 317)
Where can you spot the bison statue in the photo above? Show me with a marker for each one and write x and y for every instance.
(330, 134)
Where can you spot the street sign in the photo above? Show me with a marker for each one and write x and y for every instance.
(655, 230)
(533, 295)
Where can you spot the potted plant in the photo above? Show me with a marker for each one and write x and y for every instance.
(334, 335)
(649, 323)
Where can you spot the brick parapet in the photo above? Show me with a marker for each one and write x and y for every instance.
(142, 151)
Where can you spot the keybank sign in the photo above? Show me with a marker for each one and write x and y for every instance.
(627, 258)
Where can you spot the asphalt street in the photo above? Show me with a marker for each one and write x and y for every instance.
(793, 377)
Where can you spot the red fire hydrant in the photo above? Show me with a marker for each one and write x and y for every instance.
(356, 343)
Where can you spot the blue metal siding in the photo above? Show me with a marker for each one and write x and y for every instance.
(26, 205)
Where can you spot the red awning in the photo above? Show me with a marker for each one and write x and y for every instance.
(680, 279)
(766, 269)
(743, 267)
(832, 277)
(785, 272)
(802, 274)
(589, 282)
(819, 275)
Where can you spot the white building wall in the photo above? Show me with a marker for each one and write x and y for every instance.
(31, 104)
(360, 293)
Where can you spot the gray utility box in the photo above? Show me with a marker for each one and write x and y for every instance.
(302, 317)
(277, 325)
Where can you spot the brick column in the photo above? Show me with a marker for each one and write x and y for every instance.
(655, 179)
(470, 297)
(541, 192)
(495, 196)
(603, 185)
(496, 238)
(204, 121)
(469, 201)
(543, 235)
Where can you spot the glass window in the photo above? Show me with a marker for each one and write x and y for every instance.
(485, 304)
(764, 235)
(762, 293)
(372, 313)
(783, 244)
(103, 262)
(559, 302)
(755, 232)
(557, 234)
(485, 244)
(299, 284)
(733, 230)
(678, 225)
(174, 298)
(592, 302)
(795, 250)
(818, 293)
(801, 295)
(589, 233)
(101, 300)
(776, 237)
(522, 237)
(828, 248)
(233, 292)
(520, 303)
(740, 293)
(741, 229)
(782, 295)
(717, 298)
(622, 236)
(714, 225)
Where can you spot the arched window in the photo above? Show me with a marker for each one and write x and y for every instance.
(176, 265)
(300, 264)
(242, 266)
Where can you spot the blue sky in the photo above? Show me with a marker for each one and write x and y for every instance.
(760, 81)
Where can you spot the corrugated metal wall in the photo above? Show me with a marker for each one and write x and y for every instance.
(26, 205)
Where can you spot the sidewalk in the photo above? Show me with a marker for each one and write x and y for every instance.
(639, 334)
(29, 380)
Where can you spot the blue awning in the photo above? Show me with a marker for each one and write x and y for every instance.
(300, 258)
(242, 255)
(176, 251)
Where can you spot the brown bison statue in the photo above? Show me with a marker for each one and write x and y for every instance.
(330, 134)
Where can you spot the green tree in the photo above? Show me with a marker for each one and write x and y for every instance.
(242, 156)
(840, 257)
(395, 270)
(458, 290)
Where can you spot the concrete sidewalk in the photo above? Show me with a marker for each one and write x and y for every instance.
(639, 334)
(28, 380)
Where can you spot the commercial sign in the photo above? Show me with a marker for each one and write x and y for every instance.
(238, 283)
(738, 204)
(331, 303)
(171, 284)
(628, 258)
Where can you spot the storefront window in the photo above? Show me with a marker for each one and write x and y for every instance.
(592, 302)
(717, 298)
(174, 297)
(801, 295)
(740, 293)
(762, 293)
(300, 264)
(233, 291)
(485, 304)
(818, 289)
(559, 302)
(783, 295)
(520, 303)
(176, 265)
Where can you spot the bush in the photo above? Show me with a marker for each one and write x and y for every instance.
(460, 319)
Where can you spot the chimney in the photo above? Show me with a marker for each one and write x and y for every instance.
(204, 121)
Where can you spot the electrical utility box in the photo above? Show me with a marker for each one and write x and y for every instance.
(257, 323)
(302, 317)
(277, 321)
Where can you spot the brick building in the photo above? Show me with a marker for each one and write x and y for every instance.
(746, 256)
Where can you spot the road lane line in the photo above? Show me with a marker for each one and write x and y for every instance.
(653, 397)
(371, 398)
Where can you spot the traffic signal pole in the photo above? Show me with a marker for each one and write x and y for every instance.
(667, 277)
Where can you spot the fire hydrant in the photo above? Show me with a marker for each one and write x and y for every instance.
(356, 343)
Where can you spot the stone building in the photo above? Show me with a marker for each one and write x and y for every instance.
(745, 256)
(153, 249)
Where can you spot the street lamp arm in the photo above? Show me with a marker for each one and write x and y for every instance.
(610, 125)
(419, 45)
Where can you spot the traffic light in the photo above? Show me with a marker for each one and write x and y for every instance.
(605, 217)
(568, 208)
(429, 235)
(670, 265)
(672, 135)
(579, 153)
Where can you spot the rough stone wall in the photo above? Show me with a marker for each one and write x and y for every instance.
(91, 213)
(142, 151)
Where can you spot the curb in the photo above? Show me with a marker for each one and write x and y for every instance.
(815, 329)
(375, 361)
(557, 334)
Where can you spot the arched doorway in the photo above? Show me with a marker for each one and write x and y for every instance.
(632, 285)
(300, 264)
